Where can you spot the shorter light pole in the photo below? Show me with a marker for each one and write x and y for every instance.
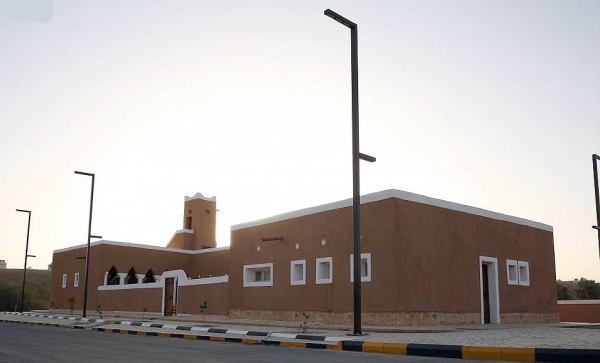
(595, 159)
(90, 236)
(26, 255)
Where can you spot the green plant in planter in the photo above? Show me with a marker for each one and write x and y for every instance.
(71, 304)
(99, 311)
(144, 312)
(304, 324)
(203, 307)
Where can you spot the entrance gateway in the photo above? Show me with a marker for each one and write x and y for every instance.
(488, 286)
(170, 296)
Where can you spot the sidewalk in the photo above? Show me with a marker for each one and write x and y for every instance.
(540, 342)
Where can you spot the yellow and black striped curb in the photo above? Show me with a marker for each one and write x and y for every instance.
(517, 354)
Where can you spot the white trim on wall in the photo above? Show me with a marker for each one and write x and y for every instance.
(398, 194)
(199, 195)
(250, 273)
(494, 294)
(324, 270)
(512, 272)
(523, 273)
(363, 257)
(76, 280)
(294, 278)
(578, 302)
(64, 281)
(144, 247)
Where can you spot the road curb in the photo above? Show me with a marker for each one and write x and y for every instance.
(518, 354)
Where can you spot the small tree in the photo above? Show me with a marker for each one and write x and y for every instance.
(99, 311)
(304, 324)
(203, 307)
(71, 304)
(144, 312)
(563, 293)
(588, 289)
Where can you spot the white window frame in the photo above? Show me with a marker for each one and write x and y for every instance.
(363, 257)
(248, 282)
(515, 265)
(319, 262)
(293, 264)
(523, 265)
(76, 280)
(64, 282)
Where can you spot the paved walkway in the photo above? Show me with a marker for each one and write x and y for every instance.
(539, 336)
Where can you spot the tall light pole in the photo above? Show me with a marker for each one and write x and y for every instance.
(356, 156)
(26, 255)
(595, 159)
(90, 236)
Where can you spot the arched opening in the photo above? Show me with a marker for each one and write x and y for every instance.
(113, 276)
(149, 278)
(131, 277)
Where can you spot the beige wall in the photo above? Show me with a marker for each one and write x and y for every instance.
(204, 217)
(424, 259)
(104, 256)
(425, 267)
(576, 312)
(217, 296)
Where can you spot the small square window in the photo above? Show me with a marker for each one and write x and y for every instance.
(511, 272)
(523, 273)
(324, 270)
(64, 284)
(258, 275)
(298, 272)
(76, 280)
(365, 267)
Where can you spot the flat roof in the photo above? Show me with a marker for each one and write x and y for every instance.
(398, 194)
(146, 247)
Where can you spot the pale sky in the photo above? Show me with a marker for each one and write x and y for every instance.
(494, 104)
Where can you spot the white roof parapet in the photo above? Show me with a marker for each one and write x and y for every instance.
(399, 194)
(200, 196)
(146, 247)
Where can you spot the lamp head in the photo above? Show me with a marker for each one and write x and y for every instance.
(340, 19)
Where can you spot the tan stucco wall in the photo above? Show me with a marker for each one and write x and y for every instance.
(217, 296)
(132, 300)
(579, 313)
(204, 217)
(425, 267)
(424, 259)
(103, 257)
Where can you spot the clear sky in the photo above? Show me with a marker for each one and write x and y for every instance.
(494, 104)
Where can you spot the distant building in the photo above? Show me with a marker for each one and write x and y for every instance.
(2, 264)
(423, 261)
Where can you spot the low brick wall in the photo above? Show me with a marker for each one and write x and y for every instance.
(579, 311)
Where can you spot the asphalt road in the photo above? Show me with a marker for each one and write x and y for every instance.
(20, 343)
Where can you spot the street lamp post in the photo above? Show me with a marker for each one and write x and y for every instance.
(26, 255)
(356, 156)
(595, 159)
(87, 254)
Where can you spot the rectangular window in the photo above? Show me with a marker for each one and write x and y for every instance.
(523, 273)
(76, 280)
(298, 272)
(258, 275)
(324, 270)
(64, 284)
(365, 267)
(511, 272)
